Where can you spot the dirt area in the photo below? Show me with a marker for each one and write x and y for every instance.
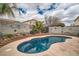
(9, 40)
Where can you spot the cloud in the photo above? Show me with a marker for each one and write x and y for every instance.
(58, 13)
(67, 12)
(65, 6)
(68, 21)
(72, 11)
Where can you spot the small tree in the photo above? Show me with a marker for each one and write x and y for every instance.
(53, 21)
(37, 28)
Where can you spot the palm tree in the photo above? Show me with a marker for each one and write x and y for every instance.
(37, 28)
(6, 9)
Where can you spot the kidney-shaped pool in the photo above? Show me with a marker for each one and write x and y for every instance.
(37, 45)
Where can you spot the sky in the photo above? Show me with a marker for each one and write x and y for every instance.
(67, 12)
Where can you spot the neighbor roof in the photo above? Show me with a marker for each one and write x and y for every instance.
(30, 20)
(76, 18)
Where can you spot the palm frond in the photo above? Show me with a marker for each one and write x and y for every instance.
(6, 9)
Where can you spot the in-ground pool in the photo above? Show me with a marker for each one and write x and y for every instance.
(37, 45)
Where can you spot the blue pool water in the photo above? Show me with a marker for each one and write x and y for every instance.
(37, 45)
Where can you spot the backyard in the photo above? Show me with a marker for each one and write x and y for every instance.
(27, 31)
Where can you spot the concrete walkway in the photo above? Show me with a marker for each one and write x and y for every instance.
(68, 48)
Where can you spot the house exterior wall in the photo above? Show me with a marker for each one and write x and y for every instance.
(76, 23)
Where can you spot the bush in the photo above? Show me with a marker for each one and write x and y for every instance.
(45, 30)
(37, 27)
(78, 34)
(23, 34)
(8, 35)
(1, 34)
(33, 32)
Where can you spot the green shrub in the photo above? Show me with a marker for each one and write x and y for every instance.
(23, 34)
(34, 32)
(78, 34)
(8, 35)
(1, 34)
(37, 27)
(45, 30)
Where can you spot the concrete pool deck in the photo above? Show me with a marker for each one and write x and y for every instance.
(68, 48)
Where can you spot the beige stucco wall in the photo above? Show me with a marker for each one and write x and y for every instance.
(7, 29)
(64, 30)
